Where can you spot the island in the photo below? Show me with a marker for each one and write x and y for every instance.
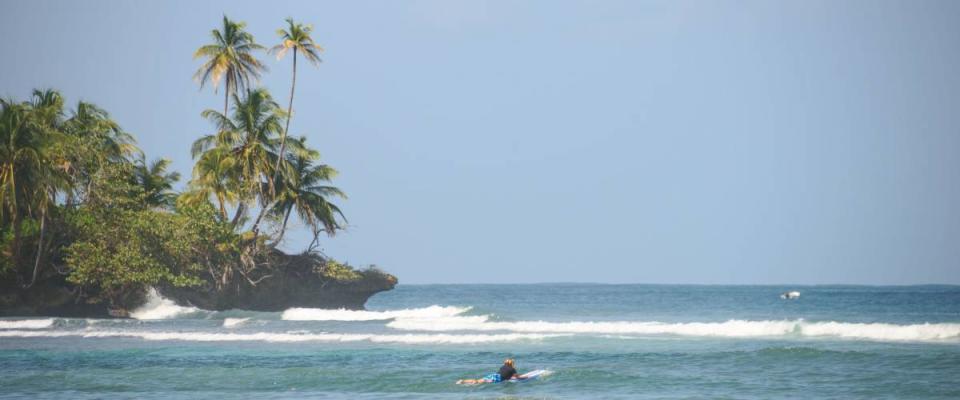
(88, 226)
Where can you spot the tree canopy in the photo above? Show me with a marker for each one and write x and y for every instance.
(81, 203)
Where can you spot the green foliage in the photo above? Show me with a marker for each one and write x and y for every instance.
(334, 270)
(118, 250)
(229, 58)
(213, 177)
(155, 182)
(297, 37)
(302, 189)
(113, 186)
(374, 272)
(28, 176)
(77, 197)
(244, 146)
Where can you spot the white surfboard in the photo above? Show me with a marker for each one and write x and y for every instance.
(537, 373)
(529, 376)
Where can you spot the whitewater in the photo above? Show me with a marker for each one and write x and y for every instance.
(416, 340)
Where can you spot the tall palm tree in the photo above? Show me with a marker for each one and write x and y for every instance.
(229, 57)
(250, 139)
(156, 182)
(305, 192)
(295, 37)
(29, 180)
(22, 155)
(47, 106)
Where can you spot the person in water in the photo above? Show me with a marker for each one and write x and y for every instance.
(506, 373)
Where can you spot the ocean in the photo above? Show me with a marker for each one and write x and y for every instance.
(598, 341)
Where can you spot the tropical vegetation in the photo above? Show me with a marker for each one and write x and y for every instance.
(82, 204)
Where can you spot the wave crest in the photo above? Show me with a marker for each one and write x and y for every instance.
(320, 314)
(27, 323)
(234, 322)
(159, 307)
(288, 337)
(731, 328)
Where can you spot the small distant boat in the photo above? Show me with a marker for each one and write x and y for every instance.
(791, 295)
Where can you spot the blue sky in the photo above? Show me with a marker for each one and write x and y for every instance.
(530, 141)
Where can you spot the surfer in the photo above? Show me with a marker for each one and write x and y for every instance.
(507, 371)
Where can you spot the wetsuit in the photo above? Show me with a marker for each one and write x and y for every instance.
(506, 372)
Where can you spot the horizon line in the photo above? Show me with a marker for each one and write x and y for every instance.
(683, 284)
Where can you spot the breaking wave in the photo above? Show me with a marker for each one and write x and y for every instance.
(448, 324)
(319, 314)
(287, 337)
(27, 324)
(234, 322)
(158, 307)
(731, 328)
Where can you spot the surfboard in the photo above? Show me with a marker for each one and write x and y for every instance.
(529, 376)
(537, 373)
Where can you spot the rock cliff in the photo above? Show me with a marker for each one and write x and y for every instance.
(299, 282)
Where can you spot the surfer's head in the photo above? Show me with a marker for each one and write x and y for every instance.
(508, 361)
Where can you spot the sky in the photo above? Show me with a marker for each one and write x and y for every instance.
(709, 142)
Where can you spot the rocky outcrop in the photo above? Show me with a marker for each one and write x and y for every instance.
(49, 297)
(297, 282)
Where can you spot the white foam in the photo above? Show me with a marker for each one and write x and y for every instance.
(320, 314)
(283, 337)
(879, 331)
(731, 328)
(158, 307)
(27, 324)
(234, 322)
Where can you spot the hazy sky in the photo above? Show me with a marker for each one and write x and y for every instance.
(525, 141)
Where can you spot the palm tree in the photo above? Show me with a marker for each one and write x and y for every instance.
(249, 139)
(91, 141)
(156, 182)
(47, 106)
(28, 180)
(229, 57)
(22, 152)
(296, 37)
(92, 122)
(305, 192)
(213, 177)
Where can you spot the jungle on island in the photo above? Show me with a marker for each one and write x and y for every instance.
(84, 210)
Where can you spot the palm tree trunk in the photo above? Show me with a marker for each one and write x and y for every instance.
(283, 228)
(17, 232)
(17, 229)
(286, 128)
(226, 276)
(256, 224)
(241, 208)
(223, 210)
(226, 100)
(283, 144)
(263, 209)
(36, 263)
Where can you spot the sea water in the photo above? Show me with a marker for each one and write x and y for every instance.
(598, 341)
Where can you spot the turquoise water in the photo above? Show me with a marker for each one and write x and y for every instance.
(599, 341)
